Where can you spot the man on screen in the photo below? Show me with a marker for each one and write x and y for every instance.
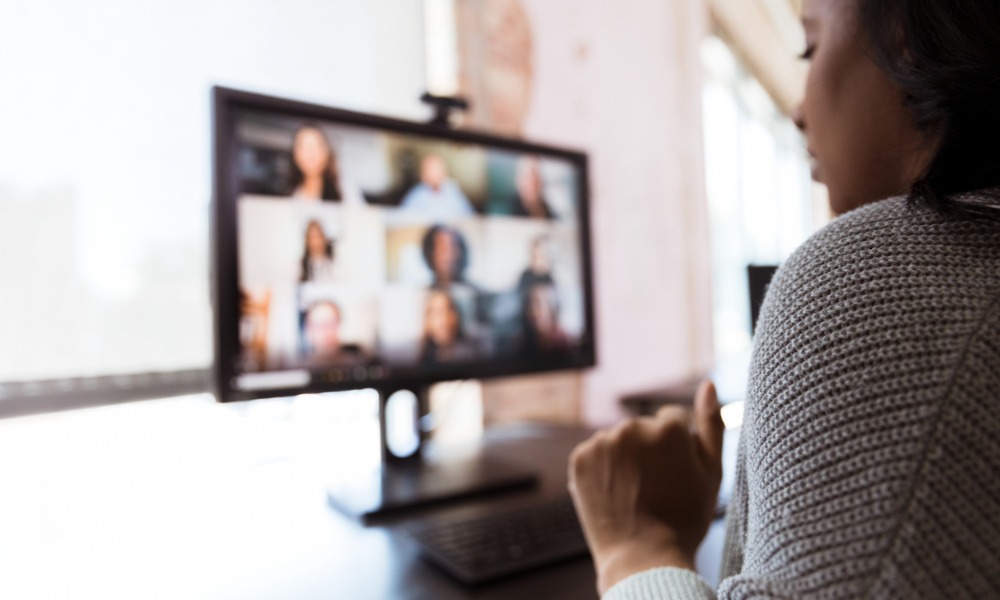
(322, 336)
(436, 197)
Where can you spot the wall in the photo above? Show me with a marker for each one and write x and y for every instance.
(623, 81)
(651, 214)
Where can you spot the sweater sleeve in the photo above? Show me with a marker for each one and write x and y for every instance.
(665, 582)
(870, 417)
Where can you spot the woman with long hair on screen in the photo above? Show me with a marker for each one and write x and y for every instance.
(528, 199)
(539, 270)
(317, 255)
(314, 165)
(542, 332)
(444, 339)
(870, 446)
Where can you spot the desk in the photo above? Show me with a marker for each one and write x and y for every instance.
(185, 498)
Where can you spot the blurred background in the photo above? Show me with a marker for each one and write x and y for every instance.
(105, 164)
(105, 189)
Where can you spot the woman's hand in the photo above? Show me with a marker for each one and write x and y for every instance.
(646, 490)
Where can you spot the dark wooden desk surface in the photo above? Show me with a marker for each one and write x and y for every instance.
(400, 571)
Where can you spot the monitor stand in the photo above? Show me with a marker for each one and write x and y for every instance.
(410, 476)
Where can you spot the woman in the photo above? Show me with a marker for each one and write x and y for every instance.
(444, 338)
(539, 269)
(446, 255)
(529, 198)
(317, 256)
(314, 166)
(869, 451)
(543, 335)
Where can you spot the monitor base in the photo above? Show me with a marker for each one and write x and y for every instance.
(395, 488)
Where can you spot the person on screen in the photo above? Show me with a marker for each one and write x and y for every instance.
(447, 256)
(539, 269)
(255, 311)
(542, 331)
(317, 256)
(314, 166)
(436, 196)
(322, 336)
(444, 337)
(528, 199)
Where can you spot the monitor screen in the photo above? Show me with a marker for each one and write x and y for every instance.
(352, 250)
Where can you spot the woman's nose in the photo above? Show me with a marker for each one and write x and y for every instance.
(798, 117)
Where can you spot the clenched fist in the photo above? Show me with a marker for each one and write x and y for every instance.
(645, 490)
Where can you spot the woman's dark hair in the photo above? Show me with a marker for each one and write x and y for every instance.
(331, 175)
(458, 272)
(532, 338)
(429, 348)
(945, 56)
(307, 274)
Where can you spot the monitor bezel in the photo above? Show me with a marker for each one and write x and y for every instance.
(224, 255)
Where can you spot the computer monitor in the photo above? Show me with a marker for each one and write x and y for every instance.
(358, 251)
(758, 278)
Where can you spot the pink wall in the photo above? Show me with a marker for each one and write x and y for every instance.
(622, 81)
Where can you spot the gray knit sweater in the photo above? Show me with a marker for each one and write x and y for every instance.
(869, 462)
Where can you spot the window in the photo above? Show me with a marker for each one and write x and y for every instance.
(762, 202)
(105, 172)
